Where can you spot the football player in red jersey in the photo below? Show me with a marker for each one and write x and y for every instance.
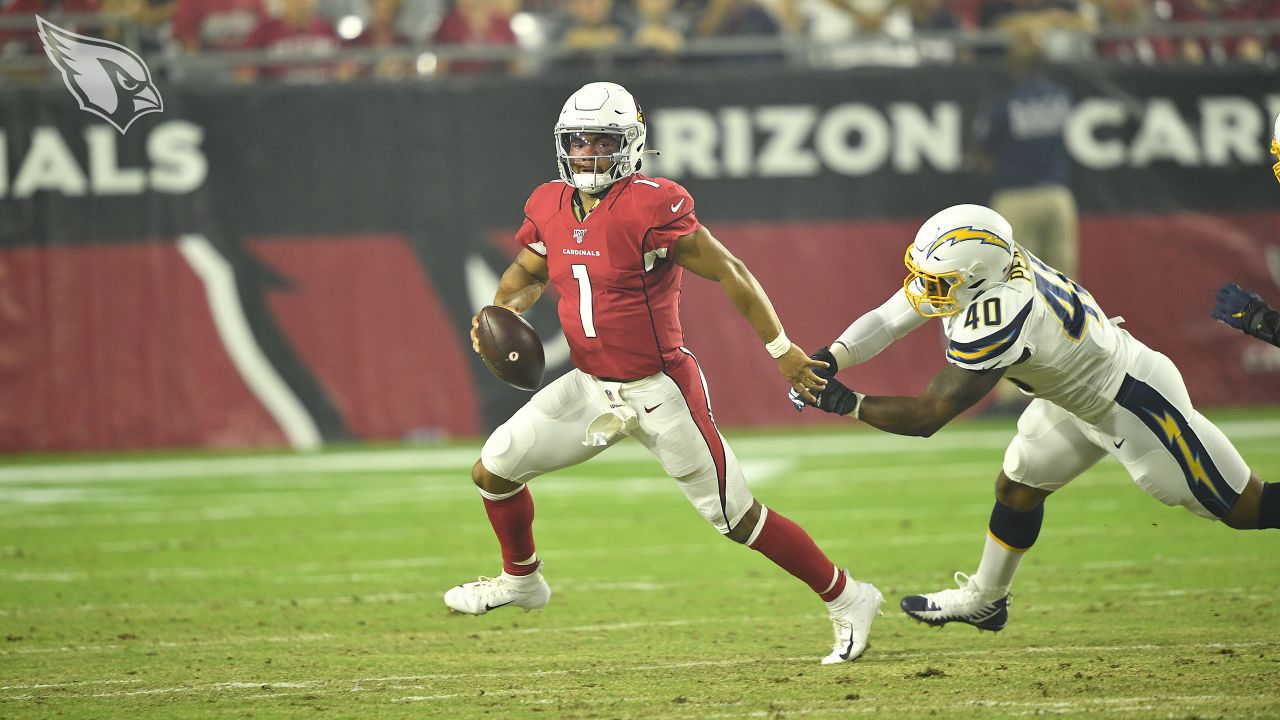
(615, 244)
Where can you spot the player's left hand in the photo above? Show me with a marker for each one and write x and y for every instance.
(805, 374)
(835, 398)
(1234, 305)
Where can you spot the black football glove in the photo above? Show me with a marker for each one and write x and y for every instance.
(826, 373)
(1236, 306)
(835, 398)
(1246, 311)
(824, 355)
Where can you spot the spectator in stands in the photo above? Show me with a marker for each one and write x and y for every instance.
(880, 32)
(589, 30)
(154, 20)
(216, 24)
(24, 40)
(1126, 18)
(477, 23)
(1055, 24)
(299, 33)
(931, 16)
(660, 30)
(1243, 47)
(335, 11)
(998, 14)
(383, 33)
(739, 19)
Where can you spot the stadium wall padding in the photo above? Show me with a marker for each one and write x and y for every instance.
(298, 265)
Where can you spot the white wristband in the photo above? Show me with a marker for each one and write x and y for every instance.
(857, 405)
(778, 346)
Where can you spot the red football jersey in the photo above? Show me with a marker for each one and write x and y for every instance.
(619, 289)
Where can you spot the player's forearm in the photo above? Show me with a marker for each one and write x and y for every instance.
(744, 291)
(901, 415)
(875, 331)
(518, 289)
(1264, 324)
(951, 391)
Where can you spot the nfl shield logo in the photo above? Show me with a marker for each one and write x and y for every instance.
(609, 394)
(578, 234)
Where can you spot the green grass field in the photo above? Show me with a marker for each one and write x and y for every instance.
(309, 586)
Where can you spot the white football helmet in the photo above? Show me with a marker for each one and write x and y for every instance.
(957, 254)
(601, 107)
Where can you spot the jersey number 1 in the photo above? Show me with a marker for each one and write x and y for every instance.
(585, 311)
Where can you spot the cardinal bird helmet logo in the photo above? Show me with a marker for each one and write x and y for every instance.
(107, 79)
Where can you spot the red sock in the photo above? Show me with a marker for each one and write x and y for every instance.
(512, 521)
(788, 545)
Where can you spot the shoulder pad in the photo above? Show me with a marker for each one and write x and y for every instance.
(662, 200)
(547, 199)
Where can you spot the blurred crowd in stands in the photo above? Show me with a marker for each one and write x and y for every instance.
(317, 39)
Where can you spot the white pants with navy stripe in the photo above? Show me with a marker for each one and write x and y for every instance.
(675, 424)
(1171, 451)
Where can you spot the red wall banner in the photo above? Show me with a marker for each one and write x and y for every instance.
(114, 346)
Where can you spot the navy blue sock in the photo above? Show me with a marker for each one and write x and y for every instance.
(1018, 530)
(1269, 506)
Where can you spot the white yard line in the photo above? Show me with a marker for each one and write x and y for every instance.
(291, 573)
(791, 445)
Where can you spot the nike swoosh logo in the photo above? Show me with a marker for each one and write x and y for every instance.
(494, 607)
(676, 207)
(848, 648)
(651, 409)
(1118, 444)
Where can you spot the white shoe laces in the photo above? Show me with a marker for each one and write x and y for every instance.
(487, 588)
(968, 593)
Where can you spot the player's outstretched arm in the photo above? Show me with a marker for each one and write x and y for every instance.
(1246, 311)
(875, 330)
(952, 391)
(701, 254)
(520, 287)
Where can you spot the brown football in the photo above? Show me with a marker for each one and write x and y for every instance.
(510, 347)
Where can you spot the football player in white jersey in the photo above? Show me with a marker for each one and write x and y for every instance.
(1097, 390)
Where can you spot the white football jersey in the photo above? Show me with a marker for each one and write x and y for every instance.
(1051, 335)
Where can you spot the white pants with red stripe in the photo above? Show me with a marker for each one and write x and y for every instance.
(674, 422)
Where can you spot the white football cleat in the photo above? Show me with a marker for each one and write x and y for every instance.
(852, 623)
(967, 604)
(529, 592)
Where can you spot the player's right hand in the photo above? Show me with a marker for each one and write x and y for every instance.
(1235, 305)
(475, 326)
(806, 374)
